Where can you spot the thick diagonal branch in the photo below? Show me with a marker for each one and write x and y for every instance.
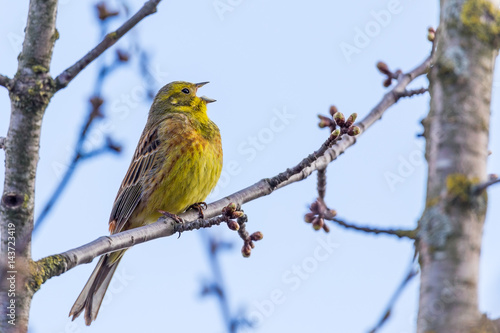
(63, 79)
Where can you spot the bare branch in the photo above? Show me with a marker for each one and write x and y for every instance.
(414, 92)
(479, 188)
(319, 212)
(79, 155)
(63, 79)
(375, 114)
(166, 227)
(4, 81)
(401, 233)
(412, 272)
(216, 285)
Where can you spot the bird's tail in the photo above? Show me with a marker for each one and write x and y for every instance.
(91, 297)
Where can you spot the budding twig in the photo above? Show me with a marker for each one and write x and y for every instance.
(400, 233)
(320, 212)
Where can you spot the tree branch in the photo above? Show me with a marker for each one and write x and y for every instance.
(319, 212)
(58, 264)
(4, 81)
(63, 79)
(400, 233)
(375, 114)
(412, 272)
(414, 92)
(2, 142)
(216, 286)
(79, 155)
(479, 188)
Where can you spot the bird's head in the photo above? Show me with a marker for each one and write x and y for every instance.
(180, 96)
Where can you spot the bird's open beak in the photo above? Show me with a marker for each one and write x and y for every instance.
(205, 98)
(208, 100)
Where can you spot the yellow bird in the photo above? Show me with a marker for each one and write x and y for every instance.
(176, 164)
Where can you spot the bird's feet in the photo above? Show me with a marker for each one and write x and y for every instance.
(199, 206)
(176, 218)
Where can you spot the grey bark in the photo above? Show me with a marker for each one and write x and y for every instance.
(457, 133)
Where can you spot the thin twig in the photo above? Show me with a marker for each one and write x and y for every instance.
(79, 156)
(275, 181)
(63, 79)
(216, 286)
(412, 272)
(375, 114)
(479, 188)
(401, 233)
(65, 180)
(165, 227)
(319, 212)
(4, 81)
(414, 92)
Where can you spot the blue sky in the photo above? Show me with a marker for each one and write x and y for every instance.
(272, 66)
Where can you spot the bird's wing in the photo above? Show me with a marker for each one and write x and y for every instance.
(132, 187)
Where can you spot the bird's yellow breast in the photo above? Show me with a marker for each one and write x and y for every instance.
(190, 167)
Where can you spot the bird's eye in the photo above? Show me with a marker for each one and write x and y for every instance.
(185, 90)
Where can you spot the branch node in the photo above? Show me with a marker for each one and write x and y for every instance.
(5, 81)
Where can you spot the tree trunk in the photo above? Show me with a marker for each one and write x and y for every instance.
(30, 93)
(456, 130)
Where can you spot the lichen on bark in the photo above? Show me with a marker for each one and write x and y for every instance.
(482, 19)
